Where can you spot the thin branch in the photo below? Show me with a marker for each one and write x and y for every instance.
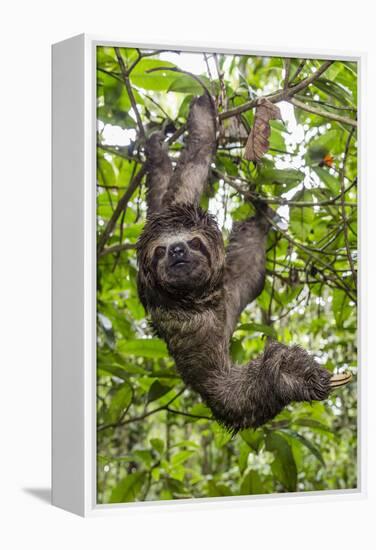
(125, 75)
(344, 217)
(118, 152)
(117, 248)
(280, 95)
(142, 416)
(121, 206)
(298, 71)
(324, 114)
(312, 255)
(287, 63)
(189, 415)
(253, 196)
(324, 103)
(222, 96)
(177, 70)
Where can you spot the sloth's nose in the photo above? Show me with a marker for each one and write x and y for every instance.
(177, 250)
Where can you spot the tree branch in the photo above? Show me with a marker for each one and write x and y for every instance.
(177, 70)
(117, 248)
(312, 255)
(125, 75)
(344, 217)
(276, 97)
(142, 416)
(121, 206)
(281, 95)
(252, 196)
(324, 114)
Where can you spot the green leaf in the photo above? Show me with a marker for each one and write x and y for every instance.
(129, 488)
(133, 231)
(120, 401)
(121, 371)
(252, 484)
(258, 327)
(218, 489)
(283, 466)
(200, 409)
(145, 456)
(105, 370)
(157, 444)
(187, 85)
(181, 457)
(145, 347)
(315, 424)
(330, 181)
(253, 438)
(314, 450)
(243, 456)
(157, 80)
(157, 390)
(341, 306)
(289, 177)
(276, 139)
(221, 436)
(236, 350)
(302, 218)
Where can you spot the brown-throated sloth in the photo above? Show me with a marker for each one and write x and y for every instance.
(195, 290)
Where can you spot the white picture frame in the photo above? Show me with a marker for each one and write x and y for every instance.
(74, 276)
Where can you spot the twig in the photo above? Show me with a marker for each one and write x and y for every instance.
(253, 196)
(298, 71)
(119, 153)
(177, 70)
(324, 103)
(141, 417)
(312, 255)
(280, 95)
(344, 217)
(121, 206)
(190, 415)
(125, 74)
(117, 248)
(287, 72)
(324, 114)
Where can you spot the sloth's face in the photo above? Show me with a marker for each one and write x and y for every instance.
(180, 256)
(182, 261)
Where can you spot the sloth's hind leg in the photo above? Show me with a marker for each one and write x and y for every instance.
(292, 374)
(249, 396)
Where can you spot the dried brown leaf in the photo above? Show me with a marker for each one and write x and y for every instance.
(258, 140)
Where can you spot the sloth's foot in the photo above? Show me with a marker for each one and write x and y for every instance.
(320, 382)
(338, 380)
(298, 375)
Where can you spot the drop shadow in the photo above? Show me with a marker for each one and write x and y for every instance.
(41, 493)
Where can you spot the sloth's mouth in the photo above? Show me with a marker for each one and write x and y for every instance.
(178, 263)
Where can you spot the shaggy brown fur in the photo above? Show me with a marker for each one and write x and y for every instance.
(194, 290)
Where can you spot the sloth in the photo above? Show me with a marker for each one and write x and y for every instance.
(194, 288)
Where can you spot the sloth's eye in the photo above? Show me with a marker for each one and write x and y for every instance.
(160, 251)
(195, 243)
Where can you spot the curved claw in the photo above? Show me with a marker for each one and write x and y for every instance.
(338, 380)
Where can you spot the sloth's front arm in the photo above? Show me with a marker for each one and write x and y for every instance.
(245, 266)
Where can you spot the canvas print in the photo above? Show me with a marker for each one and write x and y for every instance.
(226, 274)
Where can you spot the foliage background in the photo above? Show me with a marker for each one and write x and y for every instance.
(156, 440)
